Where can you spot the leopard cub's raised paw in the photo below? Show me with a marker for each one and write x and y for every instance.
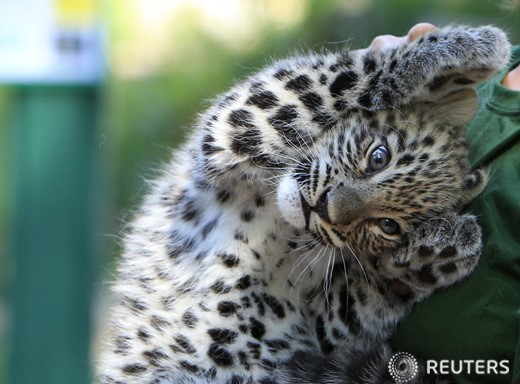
(440, 252)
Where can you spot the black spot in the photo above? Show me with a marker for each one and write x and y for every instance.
(323, 79)
(220, 287)
(387, 97)
(206, 230)
(312, 101)
(229, 259)
(154, 356)
(275, 306)
(369, 64)
(424, 157)
(242, 357)
(189, 319)
(365, 100)
(345, 80)
(266, 380)
(325, 344)
(345, 60)
(362, 296)
(223, 196)
(189, 211)
(254, 349)
(227, 308)
(282, 73)
(220, 356)
(240, 236)
(324, 120)
(406, 159)
(235, 379)
(352, 319)
(463, 81)
(122, 344)
(276, 345)
(143, 334)
(159, 323)
(346, 310)
(184, 343)
(227, 100)
(241, 118)
(134, 369)
(222, 336)
(439, 81)
(283, 117)
(257, 328)
(432, 39)
(392, 65)
(263, 100)
(189, 367)
(264, 160)
(260, 201)
(292, 244)
(243, 283)
(340, 105)
(299, 84)
(402, 264)
(210, 373)
(134, 304)
(259, 303)
(242, 327)
(247, 216)
(282, 121)
(256, 86)
(428, 141)
(246, 142)
(208, 146)
(269, 365)
(256, 254)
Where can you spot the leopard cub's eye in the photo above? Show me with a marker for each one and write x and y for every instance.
(379, 158)
(389, 226)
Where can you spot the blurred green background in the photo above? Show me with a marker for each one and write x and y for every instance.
(166, 60)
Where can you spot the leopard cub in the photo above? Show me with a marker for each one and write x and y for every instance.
(313, 205)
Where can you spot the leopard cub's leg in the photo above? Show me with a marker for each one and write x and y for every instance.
(440, 252)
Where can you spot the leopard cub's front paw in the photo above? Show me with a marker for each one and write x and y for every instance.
(441, 252)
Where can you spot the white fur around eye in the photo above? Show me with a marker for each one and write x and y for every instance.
(289, 202)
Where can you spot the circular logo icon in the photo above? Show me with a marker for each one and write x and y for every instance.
(403, 367)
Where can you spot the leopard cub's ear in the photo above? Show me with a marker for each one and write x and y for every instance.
(474, 183)
(457, 108)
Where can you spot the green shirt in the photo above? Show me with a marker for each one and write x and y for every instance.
(479, 319)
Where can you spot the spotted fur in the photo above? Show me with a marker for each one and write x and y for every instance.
(314, 203)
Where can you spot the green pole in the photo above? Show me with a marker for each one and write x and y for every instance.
(52, 235)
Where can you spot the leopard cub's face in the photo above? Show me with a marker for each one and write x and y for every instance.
(365, 183)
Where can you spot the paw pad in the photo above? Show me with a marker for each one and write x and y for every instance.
(449, 251)
(449, 268)
(425, 251)
(426, 274)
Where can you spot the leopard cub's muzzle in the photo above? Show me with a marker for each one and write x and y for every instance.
(339, 205)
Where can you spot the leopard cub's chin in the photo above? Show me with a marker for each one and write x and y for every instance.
(289, 202)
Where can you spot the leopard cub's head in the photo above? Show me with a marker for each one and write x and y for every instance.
(365, 183)
(371, 178)
(397, 157)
